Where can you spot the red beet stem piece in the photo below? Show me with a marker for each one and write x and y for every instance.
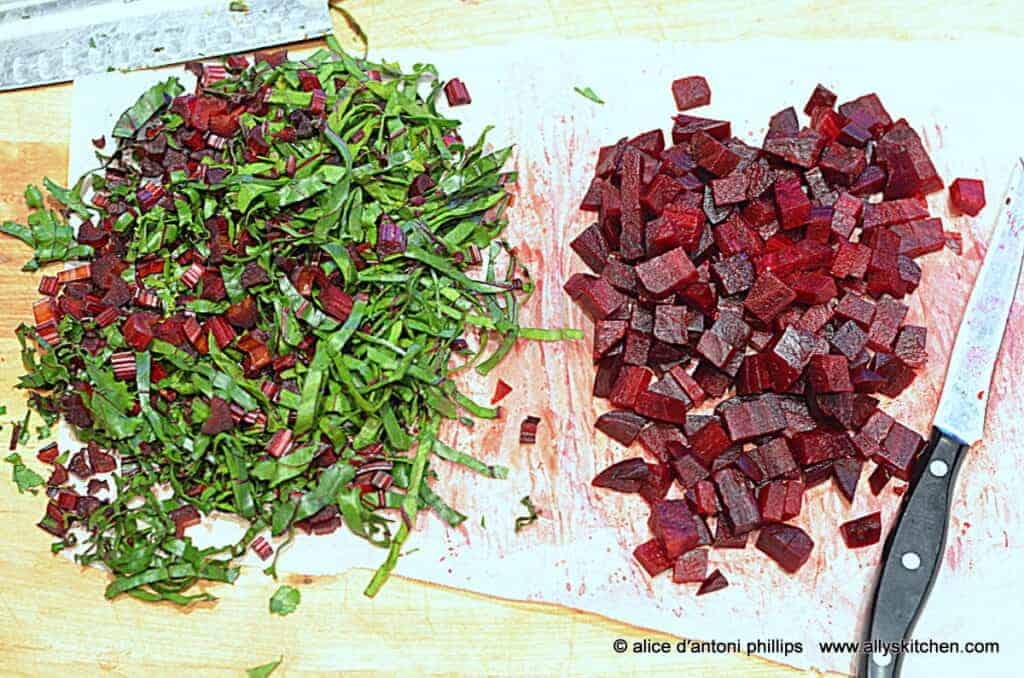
(787, 545)
(691, 92)
(967, 195)
(280, 443)
(528, 430)
(863, 531)
(716, 581)
(184, 518)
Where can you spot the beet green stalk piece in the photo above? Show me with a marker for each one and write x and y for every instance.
(278, 275)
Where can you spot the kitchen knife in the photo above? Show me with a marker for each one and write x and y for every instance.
(915, 545)
(44, 41)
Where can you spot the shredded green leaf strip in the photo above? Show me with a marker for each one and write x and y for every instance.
(532, 514)
(588, 93)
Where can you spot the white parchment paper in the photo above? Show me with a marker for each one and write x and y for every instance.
(965, 100)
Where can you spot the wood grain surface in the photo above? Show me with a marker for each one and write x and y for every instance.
(54, 621)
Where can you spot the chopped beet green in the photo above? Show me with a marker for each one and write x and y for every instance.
(279, 273)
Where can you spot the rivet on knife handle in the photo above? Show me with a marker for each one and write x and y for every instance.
(912, 555)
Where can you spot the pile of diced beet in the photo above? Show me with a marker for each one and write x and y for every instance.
(770, 283)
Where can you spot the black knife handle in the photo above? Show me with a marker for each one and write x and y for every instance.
(919, 530)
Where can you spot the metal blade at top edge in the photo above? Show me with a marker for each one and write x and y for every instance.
(965, 393)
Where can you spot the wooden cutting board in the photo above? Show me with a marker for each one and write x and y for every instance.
(53, 620)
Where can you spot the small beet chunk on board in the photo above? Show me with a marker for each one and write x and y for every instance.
(750, 308)
(863, 531)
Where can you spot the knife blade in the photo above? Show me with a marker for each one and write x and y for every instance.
(45, 41)
(915, 546)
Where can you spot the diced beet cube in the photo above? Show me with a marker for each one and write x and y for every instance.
(771, 500)
(792, 204)
(624, 476)
(849, 410)
(787, 545)
(607, 335)
(792, 352)
(691, 567)
(657, 484)
(457, 93)
(878, 479)
(709, 441)
(656, 440)
(920, 237)
(899, 450)
(688, 470)
(967, 195)
(783, 124)
(673, 524)
(815, 288)
(691, 92)
(735, 236)
(592, 199)
(734, 274)
(637, 348)
(661, 406)
(607, 372)
(910, 346)
(794, 498)
(688, 384)
(738, 500)
(856, 308)
(631, 239)
(846, 474)
(821, 97)
(774, 458)
(726, 538)
(892, 212)
(666, 272)
(814, 447)
(597, 298)
(659, 193)
(652, 557)
(686, 126)
(889, 315)
(758, 416)
(631, 382)
(715, 349)
(768, 297)
(846, 215)
(755, 374)
(863, 531)
(713, 155)
(801, 150)
(877, 426)
(678, 226)
(621, 426)
(591, 248)
(868, 112)
(716, 581)
(815, 318)
(829, 374)
(706, 498)
(896, 374)
(906, 161)
(670, 323)
(842, 165)
(730, 189)
(853, 134)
